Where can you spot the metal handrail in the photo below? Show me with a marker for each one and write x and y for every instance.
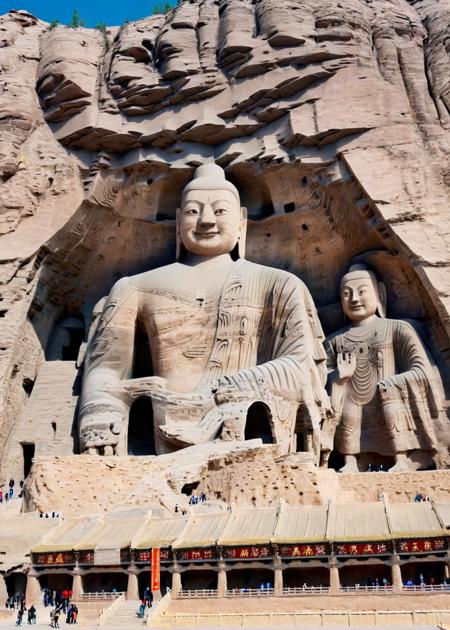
(197, 593)
(362, 588)
(95, 596)
(427, 588)
(249, 592)
(305, 590)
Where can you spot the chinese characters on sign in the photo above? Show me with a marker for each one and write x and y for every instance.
(305, 551)
(86, 557)
(55, 559)
(246, 553)
(144, 555)
(155, 570)
(421, 546)
(363, 549)
(198, 554)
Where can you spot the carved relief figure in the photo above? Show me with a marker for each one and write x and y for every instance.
(223, 334)
(383, 387)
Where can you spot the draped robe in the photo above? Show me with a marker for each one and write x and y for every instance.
(386, 420)
(258, 338)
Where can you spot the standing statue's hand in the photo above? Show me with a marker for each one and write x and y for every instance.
(346, 365)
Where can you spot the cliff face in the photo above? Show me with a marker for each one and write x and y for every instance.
(332, 118)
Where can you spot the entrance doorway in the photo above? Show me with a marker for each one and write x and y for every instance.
(198, 580)
(296, 577)
(258, 423)
(141, 434)
(28, 450)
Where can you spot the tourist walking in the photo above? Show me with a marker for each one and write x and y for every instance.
(20, 616)
(32, 614)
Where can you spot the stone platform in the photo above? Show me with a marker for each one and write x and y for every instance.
(242, 475)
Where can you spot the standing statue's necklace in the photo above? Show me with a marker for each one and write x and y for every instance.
(364, 380)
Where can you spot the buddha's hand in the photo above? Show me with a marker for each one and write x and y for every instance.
(232, 390)
(346, 365)
(100, 432)
(387, 389)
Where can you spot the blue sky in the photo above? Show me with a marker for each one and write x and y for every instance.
(112, 12)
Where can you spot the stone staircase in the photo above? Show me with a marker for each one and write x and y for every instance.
(125, 615)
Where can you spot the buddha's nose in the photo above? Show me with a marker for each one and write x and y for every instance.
(207, 216)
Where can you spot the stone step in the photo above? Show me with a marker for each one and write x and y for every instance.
(126, 615)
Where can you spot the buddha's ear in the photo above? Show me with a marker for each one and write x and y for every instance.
(381, 307)
(177, 235)
(242, 233)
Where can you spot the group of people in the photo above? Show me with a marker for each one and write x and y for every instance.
(50, 514)
(146, 602)
(376, 468)
(57, 598)
(61, 604)
(31, 615)
(9, 493)
(200, 499)
(71, 612)
(15, 601)
(421, 497)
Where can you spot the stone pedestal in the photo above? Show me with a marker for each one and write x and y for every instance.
(278, 577)
(33, 589)
(176, 583)
(133, 584)
(335, 582)
(221, 580)
(77, 586)
(396, 573)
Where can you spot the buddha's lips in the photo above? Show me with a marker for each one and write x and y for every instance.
(206, 234)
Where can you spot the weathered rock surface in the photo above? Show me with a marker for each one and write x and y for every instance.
(242, 477)
(331, 119)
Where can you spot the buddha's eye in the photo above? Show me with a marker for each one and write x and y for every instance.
(346, 293)
(191, 211)
(219, 211)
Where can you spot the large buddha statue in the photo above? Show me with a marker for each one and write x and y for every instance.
(223, 334)
(384, 389)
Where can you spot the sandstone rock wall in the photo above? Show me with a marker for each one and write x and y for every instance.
(331, 118)
(246, 478)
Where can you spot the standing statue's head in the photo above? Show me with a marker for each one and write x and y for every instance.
(210, 221)
(361, 294)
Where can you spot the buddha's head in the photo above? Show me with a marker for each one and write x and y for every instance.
(362, 296)
(210, 221)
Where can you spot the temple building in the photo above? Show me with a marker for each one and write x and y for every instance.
(285, 549)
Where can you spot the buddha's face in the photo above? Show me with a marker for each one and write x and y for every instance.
(359, 296)
(209, 222)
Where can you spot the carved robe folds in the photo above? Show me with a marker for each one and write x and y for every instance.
(257, 339)
(399, 415)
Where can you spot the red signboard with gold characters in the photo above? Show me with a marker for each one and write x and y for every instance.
(155, 570)
(191, 555)
(145, 555)
(363, 549)
(304, 551)
(54, 559)
(246, 553)
(423, 545)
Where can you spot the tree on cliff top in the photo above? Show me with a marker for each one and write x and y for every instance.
(76, 21)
